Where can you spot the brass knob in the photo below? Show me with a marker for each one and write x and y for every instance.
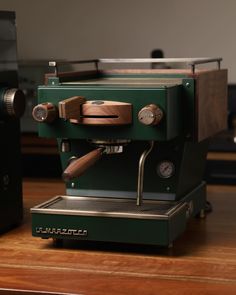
(45, 112)
(150, 115)
(14, 102)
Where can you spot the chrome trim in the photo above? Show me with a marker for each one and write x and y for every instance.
(141, 173)
(192, 62)
(120, 194)
(44, 209)
(188, 61)
(109, 141)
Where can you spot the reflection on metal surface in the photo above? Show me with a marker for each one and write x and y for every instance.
(192, 62)
(141, 173)
(107, 207)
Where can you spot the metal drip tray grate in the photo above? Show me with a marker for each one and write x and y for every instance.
(89, 206)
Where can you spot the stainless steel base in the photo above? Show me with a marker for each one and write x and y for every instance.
(91, 206)
(116, 219)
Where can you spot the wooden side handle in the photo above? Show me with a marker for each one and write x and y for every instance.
(70, 108)
(79, 166)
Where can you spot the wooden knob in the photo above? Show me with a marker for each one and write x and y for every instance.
(45, 112)
(150, 115)
(77, 167)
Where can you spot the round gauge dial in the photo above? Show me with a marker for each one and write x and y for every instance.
(166, 169)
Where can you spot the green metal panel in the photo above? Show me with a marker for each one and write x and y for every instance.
(119, 172)
(188, 110)
(105, 229)
(168, 98)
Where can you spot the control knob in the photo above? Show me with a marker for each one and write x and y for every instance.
(150, 115)
(45, 112)
(12, 102)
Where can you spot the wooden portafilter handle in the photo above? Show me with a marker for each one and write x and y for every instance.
(77, 167)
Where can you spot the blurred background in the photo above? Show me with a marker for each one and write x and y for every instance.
(76, 29)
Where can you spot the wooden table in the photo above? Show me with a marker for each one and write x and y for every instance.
(202, 261)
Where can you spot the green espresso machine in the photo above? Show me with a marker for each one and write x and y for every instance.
(133, 145)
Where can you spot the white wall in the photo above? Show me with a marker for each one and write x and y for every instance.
(75, 29)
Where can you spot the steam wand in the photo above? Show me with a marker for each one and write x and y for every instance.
(141, 173)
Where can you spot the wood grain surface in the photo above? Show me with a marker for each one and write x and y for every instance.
(70, 108)
(106, 113)
(78, 166)
(202, 261)
(211, 103)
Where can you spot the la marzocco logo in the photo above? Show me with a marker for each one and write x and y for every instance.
(61, 231)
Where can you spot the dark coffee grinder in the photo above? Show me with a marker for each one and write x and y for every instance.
(12, 104)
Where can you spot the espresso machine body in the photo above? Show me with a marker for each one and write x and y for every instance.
(12, 105)
(133, 146)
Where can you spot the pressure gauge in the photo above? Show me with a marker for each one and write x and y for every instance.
(166, 169)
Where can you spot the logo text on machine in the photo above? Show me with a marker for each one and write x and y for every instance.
(61, 231)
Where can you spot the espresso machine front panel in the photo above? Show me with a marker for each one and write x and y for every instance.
(168, 99)
(133, 146)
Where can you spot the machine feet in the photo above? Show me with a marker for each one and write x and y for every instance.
(202, 213)
(57, 242)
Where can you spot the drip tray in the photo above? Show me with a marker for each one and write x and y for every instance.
(108, 207)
